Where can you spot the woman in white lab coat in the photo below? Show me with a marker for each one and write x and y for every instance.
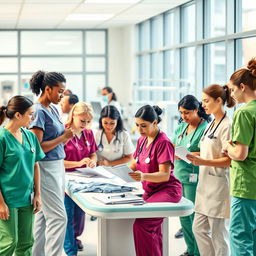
(212, 195)
(114, 143)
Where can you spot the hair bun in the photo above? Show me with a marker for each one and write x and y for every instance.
(252, 66)
(158, 110)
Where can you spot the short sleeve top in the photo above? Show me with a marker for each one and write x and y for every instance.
(120, 145)
(78, 148)
(17, 166)
(52, 126)
(162, 151)
(242, 173)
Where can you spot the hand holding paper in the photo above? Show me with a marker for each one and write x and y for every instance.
(182, 153)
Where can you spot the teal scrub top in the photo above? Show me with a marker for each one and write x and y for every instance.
(243, 173)
(182, 169)
(17, 167)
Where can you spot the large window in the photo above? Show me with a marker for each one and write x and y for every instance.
(245, 13)
(191, 46)
(215, 63)
(215, 18)
(81, 55)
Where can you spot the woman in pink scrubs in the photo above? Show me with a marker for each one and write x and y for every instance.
(154, 157)
(80, 152)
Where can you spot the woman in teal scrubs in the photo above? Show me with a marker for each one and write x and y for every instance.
(242, 150)
(19, 178)
(188, 134)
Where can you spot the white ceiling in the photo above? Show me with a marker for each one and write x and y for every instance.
(51, 14)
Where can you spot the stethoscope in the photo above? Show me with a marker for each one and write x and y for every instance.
(32, 149)
(76, 144)
(147, 160)
(180, 137)
(116, 142)
(211, 136)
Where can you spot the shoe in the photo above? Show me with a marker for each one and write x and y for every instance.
(179, 233)
(93, 218)
(79, 244)
(186, 254)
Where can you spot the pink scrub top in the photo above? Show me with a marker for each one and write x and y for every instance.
(78, 148)
(161, 152)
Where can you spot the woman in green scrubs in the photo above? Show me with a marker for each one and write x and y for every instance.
(19, 178)
(188, 134)
(242, 150)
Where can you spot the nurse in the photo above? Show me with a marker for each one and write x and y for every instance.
(188, 134)
(154, 157)
(242, 150)
(19, 178)
(212, 194)
(80, 152)
(50, 223)
(114, 143)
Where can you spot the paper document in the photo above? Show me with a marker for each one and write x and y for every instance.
(122, 171)
(181, 152)
(98, 171)
(124, 198)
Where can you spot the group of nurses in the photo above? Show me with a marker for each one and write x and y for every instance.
(51, 221)
(114, 143)
(188, 134)
(19, 178)
(212, 195)
(242, 150)
(80, 152)
(154, 164)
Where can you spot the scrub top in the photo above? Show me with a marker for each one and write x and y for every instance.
(17, 167)
(162, 151)
(78, 148)
(116, 149)
(115, 104)
(182, 169)
(243, 173)
(52, 126)
(212, 194)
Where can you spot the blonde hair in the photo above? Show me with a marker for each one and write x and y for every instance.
(79, 108)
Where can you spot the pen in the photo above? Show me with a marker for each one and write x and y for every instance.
(116, 196)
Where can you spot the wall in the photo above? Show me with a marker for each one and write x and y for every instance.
(121, 62)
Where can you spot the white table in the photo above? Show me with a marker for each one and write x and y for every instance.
(115, 222)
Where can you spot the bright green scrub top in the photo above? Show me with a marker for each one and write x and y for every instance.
(17, 167)
(182, 169)
(243, 173)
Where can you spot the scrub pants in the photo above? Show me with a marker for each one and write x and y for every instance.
(51, 221)
(211, 235)
(243, 227)
(74, 212)
(16, 234)
(148, 232)
(189, 192)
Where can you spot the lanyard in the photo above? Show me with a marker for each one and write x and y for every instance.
(147, 160)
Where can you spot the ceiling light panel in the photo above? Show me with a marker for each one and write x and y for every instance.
(100, 8)
(111, 1)
(89, 16)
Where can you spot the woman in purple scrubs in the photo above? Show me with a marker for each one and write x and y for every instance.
(153, 166)
(80, 152)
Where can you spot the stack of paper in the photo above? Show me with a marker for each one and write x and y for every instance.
(124, 198)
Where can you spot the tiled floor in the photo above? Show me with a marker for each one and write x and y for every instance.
(89, 238)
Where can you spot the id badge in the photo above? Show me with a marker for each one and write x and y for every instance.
(32, 195)
(193, 177)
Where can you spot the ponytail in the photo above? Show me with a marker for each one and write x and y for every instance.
(2, 114)
(217, 91)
